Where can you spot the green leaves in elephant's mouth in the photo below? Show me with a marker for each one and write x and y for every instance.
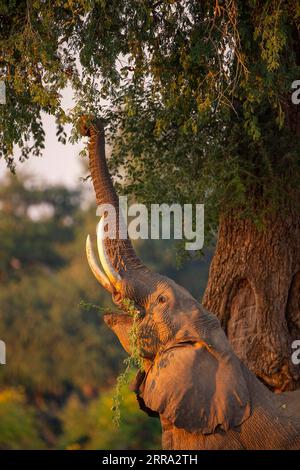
(131, 362)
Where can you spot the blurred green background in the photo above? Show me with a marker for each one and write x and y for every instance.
(57, 387)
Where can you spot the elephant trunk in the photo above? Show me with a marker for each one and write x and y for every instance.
(118, 252)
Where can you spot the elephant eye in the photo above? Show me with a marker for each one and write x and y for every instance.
(162, 299)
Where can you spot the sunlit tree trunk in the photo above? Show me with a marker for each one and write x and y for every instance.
(254, 289)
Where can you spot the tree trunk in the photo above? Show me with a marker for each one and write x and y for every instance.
(254, 289)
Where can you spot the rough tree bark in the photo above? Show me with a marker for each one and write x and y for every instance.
(254, 289)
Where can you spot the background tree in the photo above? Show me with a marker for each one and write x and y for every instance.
(202, 93)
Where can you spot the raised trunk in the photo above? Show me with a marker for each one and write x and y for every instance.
(120, 251)
(254, 289)
(136, 278)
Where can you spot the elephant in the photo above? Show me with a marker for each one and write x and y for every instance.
(191, 379)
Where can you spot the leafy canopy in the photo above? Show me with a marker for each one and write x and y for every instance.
(196, 90)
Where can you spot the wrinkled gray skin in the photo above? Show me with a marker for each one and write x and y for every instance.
(205, 397)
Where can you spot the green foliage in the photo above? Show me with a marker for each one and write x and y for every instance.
(19, 427)
(29, 219)
(196, 88)
(90, 426)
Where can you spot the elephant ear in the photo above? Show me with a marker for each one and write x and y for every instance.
(197, 389)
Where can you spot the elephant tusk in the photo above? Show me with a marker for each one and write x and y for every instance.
(111, 273)
(95, 268)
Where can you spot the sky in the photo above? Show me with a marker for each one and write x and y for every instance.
(59, 163)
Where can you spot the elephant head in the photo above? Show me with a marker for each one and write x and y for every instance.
(192, 377)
